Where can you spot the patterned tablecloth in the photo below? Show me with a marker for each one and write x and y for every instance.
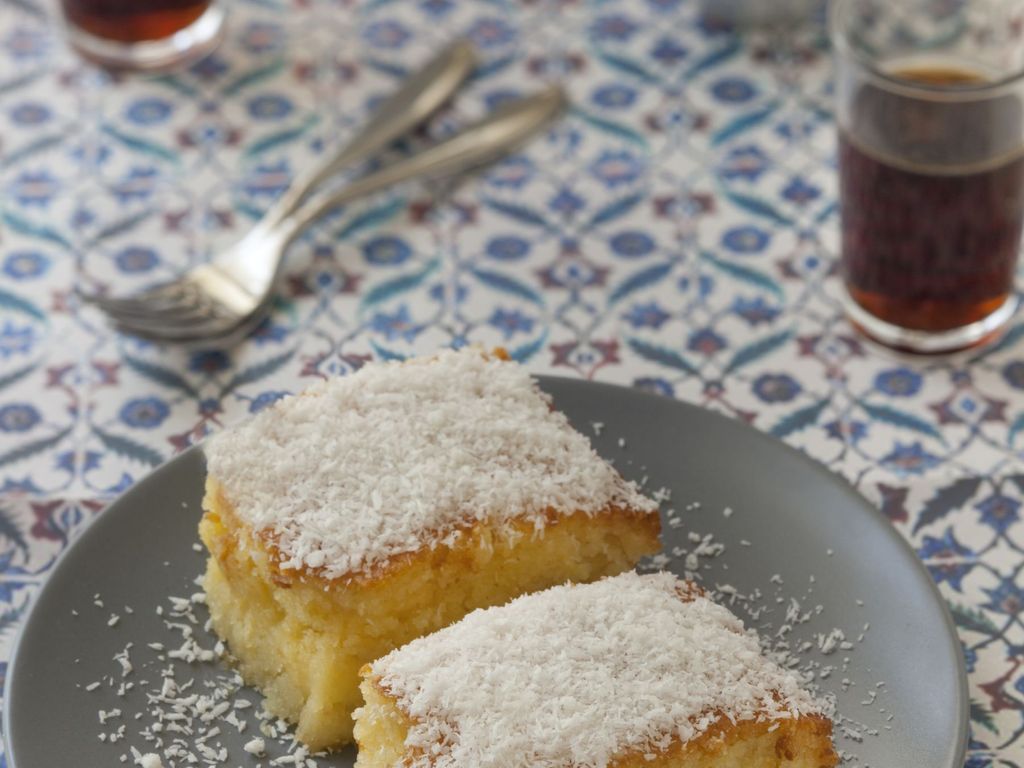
(676, 233)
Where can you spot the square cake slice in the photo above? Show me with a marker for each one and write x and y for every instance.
(629, 671)
(382, 506)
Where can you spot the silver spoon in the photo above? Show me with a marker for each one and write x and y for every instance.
(231, 293)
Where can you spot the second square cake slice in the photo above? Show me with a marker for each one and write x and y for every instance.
(628, 672)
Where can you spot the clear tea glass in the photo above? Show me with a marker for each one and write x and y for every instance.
(143, 34)
(930, 98)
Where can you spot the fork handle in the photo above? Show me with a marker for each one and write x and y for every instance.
(416, 99)
(479, 144)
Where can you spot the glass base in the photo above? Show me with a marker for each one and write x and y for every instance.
(184, 46)
(928, 342)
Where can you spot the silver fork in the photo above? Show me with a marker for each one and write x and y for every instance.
(211, 297)
(228, 296)
(232, 290)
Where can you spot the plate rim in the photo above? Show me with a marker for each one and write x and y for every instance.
(952, 636)
(139, 488)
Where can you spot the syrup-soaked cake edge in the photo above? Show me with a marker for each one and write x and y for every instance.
(271, 558)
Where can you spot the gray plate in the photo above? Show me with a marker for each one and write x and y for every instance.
(788, 514)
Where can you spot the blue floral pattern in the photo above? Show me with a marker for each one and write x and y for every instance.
(676, 232)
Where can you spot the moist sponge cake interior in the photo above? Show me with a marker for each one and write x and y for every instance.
(379, 507)
(626, 672)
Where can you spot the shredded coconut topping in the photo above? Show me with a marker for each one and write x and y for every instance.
(360, 469)
(579, 674)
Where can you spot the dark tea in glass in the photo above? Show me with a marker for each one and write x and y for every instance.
(143, 34)
(931, 169)
(132, 21)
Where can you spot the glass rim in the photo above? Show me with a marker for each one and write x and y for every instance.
(841, 44)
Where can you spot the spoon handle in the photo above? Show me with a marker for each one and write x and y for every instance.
(479, 144)
(416, 99)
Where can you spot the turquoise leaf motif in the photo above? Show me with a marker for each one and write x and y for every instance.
(9, 530)
(798, 420)
(743, 123)
(489, 68)
(17, 304)
(160, 375)
(386, 354)
(256, 372)
(372, 218)
(519, 213)
(526, 351)
(972, 619)
(281, 138)
(628, 67)
(31, 449)
(947, 500)
(715, 57)
(249, 211)
(253, 77)
(661, 355)
(10, 618)
(983, 717)
(745, 274)
(389, 289)
(757, 349)
(36, 147)
(15, 376)
(120, 227)
(612, 128)
(31, 229)
(175, 83)
(638, 281)
(141, 145)
(614, 210)
(826, 212)
(386, 67)
(898, 418)
(757, 206)
(9, 86)
(124, 446)
(507, 284)
(1015, 429)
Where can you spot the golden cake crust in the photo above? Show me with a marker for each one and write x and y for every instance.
(803, 742)
(463, 548)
